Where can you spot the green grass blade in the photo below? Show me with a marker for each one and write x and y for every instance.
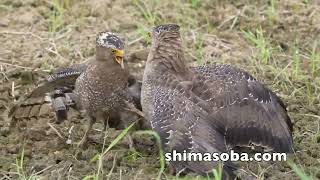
(299, 171)
(218, 172)
(161, 153)
(113, 143)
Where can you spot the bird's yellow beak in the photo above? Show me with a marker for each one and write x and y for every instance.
(119, 54)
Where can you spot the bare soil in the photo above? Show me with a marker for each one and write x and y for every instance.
(35, 38)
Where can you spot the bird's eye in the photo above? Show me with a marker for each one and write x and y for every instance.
(113, 50)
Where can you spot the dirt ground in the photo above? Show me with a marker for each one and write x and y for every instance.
(276, 41)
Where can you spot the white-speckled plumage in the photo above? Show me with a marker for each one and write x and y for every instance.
(207, 108)
(102, 88)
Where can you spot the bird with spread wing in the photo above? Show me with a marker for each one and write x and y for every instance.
(103, 87)
(208, 108)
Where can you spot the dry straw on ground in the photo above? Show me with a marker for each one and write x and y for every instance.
(277, 41)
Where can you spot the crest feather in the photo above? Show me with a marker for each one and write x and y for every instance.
(109, 40)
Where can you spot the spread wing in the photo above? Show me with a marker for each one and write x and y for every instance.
(31, 107)
(58, 100)
(183, 125)
(59, 90)
(56, 91)
(64, 77)
(252, 113)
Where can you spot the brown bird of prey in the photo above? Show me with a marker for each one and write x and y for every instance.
(102, 89)
(56, 92)
(207, 108)
(102, 86)
(59, 89)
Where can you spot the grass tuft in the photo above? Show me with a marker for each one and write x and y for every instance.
(217, 173)
(296, 59)
(161, 153)
(300, 172)
(148, 13)
(195, 3)
(271, 12)
(143, 32)
(198, 45)
(20, 170)
(315, 60)
(258, 39)
(56, 18)
(99, 157)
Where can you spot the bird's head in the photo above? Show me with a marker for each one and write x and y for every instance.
(110, 46)
(165, 31)
(166, 50)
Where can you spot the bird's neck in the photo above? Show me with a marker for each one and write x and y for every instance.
(105, 61)
(103, 54)
(168, 57)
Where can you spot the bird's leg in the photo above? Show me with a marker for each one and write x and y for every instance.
(105, 126)
(106, 123)
(129, 139)
(84, 139)
(132, 108)
(130, 142)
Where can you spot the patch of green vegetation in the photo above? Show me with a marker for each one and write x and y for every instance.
(99, 157)
(195, 3)
(4, 7)
(300, 172)
(161, 153)
(296, 59)
(217, 173)
(271, 12)
(56, 20)
(306, 2)
(149, 13)
(315, 60)
(20, 169)
(133, 156)
(143, 32)
(259, 40)
(209, 24)
(198, 46)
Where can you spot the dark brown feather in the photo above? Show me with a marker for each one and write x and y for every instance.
(57, 91)
(248, 106)
(206, 108)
